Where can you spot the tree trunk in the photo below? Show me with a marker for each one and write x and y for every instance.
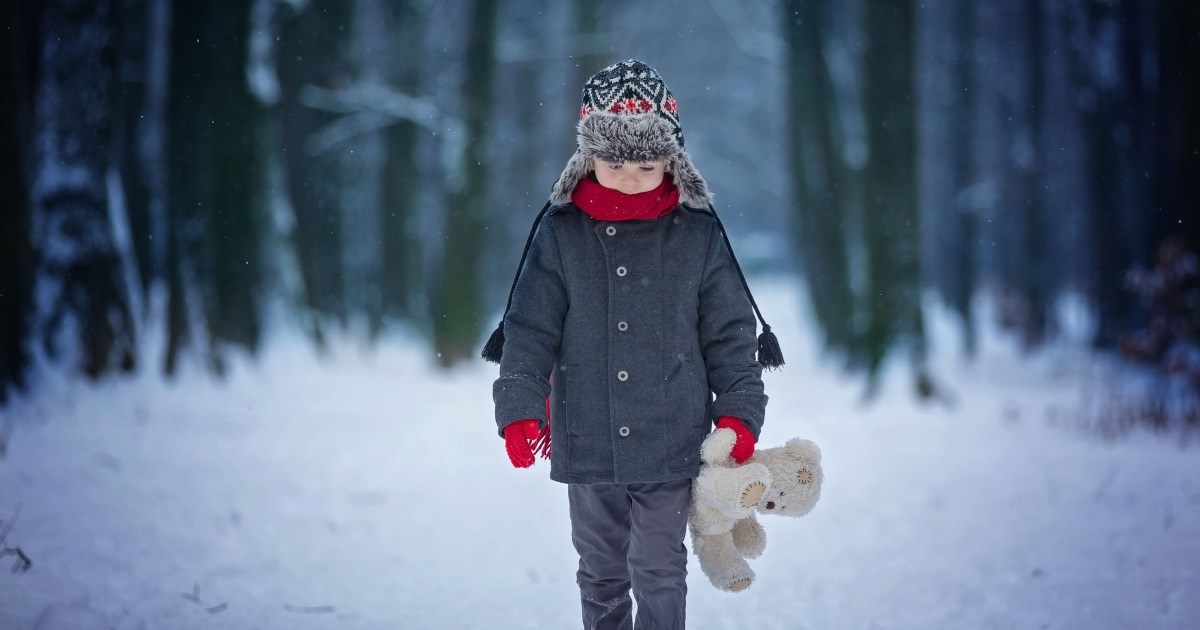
(589, 27)
(133, 29)
(18, 73)
(958, 237)
(311, 54)
(401, 273)
(81, 306)
(1111, 244)
(217, 175)
(1034, 276)
(457, 316)
(817, 169)
(890, 218)
(1177, 191)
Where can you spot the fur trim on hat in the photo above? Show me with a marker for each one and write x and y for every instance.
(631, 138)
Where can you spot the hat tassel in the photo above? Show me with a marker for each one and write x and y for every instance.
(769, 354)
(494, 348)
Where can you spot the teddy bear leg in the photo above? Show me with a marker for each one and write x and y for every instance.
(749, 537)
(722, 563)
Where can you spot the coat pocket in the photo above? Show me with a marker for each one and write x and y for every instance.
(560, 414)
(583, 431)
(689, 419)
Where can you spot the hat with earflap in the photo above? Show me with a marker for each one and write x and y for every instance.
(629, 115)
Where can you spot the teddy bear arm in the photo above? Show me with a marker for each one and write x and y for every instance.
(715, 448)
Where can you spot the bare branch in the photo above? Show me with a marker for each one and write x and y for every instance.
(308, 609)
(369, 107)
(22, 563)
(345, 129)
(194, 596)
(378, 98)
(760, 43)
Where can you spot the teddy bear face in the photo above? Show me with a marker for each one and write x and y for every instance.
(796, 478)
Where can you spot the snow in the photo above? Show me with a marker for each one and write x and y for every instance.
(369, 490)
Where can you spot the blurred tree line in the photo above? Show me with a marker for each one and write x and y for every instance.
(181, 178)
(1015, 150)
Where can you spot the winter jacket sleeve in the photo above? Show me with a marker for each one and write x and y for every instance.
(532, 334)
(728, 340)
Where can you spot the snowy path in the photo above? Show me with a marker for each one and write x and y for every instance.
(372, 492)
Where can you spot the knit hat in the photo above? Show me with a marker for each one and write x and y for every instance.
(629, 115)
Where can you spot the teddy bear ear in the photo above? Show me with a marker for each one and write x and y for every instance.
(804, 449)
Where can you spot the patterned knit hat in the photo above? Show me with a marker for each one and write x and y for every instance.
(631, 87)
(629, 115)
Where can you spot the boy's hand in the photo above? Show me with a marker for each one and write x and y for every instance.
(743, 448)
(516, 441)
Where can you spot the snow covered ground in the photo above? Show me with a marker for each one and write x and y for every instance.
(369, 490)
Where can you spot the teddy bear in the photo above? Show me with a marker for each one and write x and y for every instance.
(784, 480)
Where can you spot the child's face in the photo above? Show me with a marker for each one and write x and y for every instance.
(630, 177)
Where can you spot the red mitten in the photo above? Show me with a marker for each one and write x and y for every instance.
(743, 448)
(516, 441)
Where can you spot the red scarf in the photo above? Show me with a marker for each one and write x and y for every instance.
(606, 204)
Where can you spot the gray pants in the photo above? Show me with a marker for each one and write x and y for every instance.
(631, 535)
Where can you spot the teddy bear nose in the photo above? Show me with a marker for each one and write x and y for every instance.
(770, 505)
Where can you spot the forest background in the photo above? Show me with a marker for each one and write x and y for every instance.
(182, 179)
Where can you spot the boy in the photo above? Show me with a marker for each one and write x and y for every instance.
(629, 302)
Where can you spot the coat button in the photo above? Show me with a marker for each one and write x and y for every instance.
(622, 326)
(610, 230)
(624, 431)
(622, 375)
(621, 271)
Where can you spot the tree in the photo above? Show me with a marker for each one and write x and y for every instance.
(18, 65)
(589, 33)
(457, 314)
(400, 275)
(1175, 162)
(216, 167)
(1110, 234)
(817, 174)
(1031, 274)
(81, 297)
(310, 54)
(890, 218)
(958, 233)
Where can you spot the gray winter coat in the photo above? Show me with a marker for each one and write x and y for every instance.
(640, 323)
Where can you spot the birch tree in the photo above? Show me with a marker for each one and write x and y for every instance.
(81, 312)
